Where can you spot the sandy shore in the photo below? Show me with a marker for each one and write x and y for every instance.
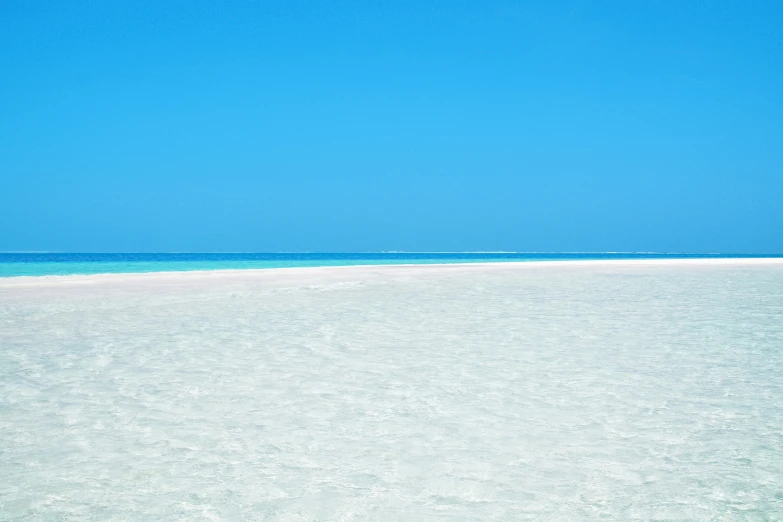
(337, 272)
(575, 390)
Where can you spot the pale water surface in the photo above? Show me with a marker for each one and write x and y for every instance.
(629, 392)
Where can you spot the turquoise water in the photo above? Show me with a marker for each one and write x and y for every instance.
(40, 264)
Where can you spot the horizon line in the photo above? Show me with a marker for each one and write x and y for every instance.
(389, 252)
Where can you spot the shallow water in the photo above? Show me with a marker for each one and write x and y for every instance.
(41, 264)
(546, 393)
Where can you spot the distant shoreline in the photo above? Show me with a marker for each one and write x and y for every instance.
(358, 269)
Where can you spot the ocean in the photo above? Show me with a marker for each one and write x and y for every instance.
(39, 264)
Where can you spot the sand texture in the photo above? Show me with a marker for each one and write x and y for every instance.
(544, 391)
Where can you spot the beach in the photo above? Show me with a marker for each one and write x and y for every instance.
(554, 390)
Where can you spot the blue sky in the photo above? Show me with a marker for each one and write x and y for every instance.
(355, 126)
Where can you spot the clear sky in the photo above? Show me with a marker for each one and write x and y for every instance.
(627, 125)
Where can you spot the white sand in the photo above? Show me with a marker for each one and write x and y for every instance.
(539, 390)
